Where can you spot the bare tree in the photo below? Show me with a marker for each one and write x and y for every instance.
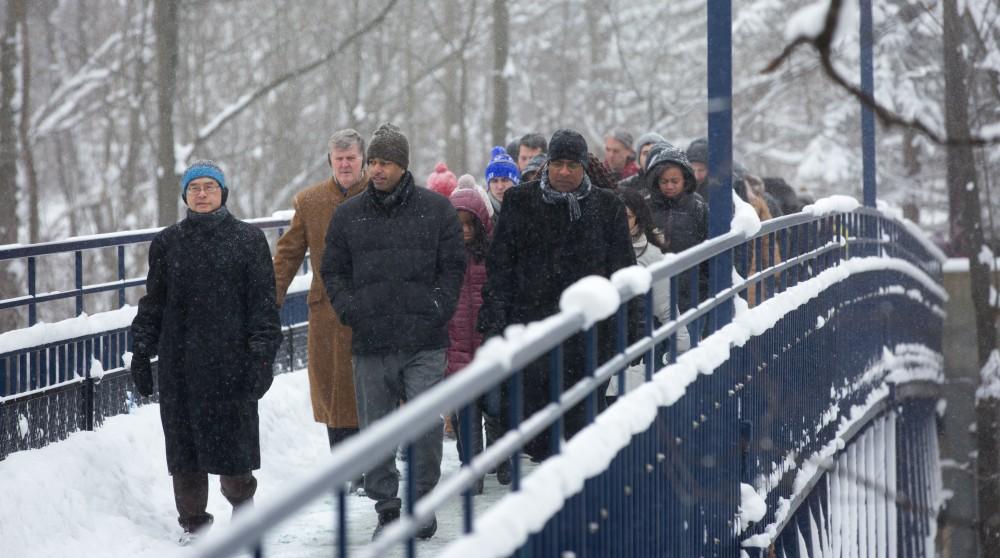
(26, 151)
(8, 153)
(501, 44)
(967, 241)
(166, 21)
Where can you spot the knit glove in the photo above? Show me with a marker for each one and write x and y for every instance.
(265, 376)
(142, 374)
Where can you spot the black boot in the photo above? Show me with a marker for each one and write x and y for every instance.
(384, 518)
(428, 529)
(191, 498)
(239, 490)
(503, 473)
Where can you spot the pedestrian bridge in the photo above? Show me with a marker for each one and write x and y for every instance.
(800, 423)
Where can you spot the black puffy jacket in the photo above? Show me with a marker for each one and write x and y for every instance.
(393, 268)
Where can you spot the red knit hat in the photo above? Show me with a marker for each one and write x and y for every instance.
(442, 180)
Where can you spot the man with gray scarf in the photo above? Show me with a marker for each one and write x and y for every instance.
(555, 230)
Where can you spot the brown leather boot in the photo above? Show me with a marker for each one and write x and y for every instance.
(239, 490)
(191, 499)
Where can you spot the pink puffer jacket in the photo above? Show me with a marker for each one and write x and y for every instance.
(464, 339)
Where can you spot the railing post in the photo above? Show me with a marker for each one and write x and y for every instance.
(411, 495)
(621, 341)
(867, 116)
(88, 387)
(648, 331)
(516, 409)
(121, 275)
(589, 367)
(32, 290)
(341, 522)
(555, 393)
(78, 283)
(720, 145)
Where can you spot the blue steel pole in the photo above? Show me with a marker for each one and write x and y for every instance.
(33, 307)
(720, 143)
(867, 115)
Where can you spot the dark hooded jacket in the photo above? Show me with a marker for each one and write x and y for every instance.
(644, 179)
(393, 267)
(683, 219)
(209, 313)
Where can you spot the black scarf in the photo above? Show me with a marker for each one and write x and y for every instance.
(207, 220)
(387, 202)
(571, 199)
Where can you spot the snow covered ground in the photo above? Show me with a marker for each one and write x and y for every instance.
(107, 493)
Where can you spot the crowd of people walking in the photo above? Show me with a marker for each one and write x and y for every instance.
(410, 277)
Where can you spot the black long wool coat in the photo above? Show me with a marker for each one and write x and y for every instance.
(209, 313)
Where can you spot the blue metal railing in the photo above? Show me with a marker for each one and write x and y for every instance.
(30, 254)
(47, 389)
(748, 406)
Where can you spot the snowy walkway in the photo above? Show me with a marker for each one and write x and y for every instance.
(107, 493)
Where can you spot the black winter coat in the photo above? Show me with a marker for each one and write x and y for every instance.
(210, 315)
(393, 270)
(536, 253)
(683, 220)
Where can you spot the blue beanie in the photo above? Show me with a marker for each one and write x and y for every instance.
(203, 169)
(502, 166)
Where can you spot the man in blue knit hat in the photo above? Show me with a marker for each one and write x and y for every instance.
(502, 174)
(209, 316)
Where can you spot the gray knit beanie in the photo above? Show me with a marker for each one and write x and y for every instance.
(390, 144)
(646, 139)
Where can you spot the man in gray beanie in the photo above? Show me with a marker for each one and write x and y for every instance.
(618, 155)
(642, 147)
(393, 266)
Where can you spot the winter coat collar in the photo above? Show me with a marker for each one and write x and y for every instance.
(640, 244)
(207, 221)
(348, 192)
(495, 203)
(571, 199)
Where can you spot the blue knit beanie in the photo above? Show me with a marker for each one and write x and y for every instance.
(502, 166)
(203, 169)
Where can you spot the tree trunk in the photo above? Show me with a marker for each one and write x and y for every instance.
(501, 47)
(450, 86)
(24, 123)
(967, 241)
(165, 18)
(8, 158)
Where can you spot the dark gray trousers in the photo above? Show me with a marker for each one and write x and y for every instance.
(380, 383)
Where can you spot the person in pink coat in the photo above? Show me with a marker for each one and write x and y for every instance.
(463, 337)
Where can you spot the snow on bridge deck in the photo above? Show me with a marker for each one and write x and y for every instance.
(107, 493)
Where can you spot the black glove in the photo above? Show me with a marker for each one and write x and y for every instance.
(142, 374)
(265, 376)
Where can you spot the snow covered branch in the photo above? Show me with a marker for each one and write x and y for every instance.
(247, 99)
(822, 41)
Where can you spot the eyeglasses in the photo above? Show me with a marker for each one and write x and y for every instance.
(560, 164)
(210, 189)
